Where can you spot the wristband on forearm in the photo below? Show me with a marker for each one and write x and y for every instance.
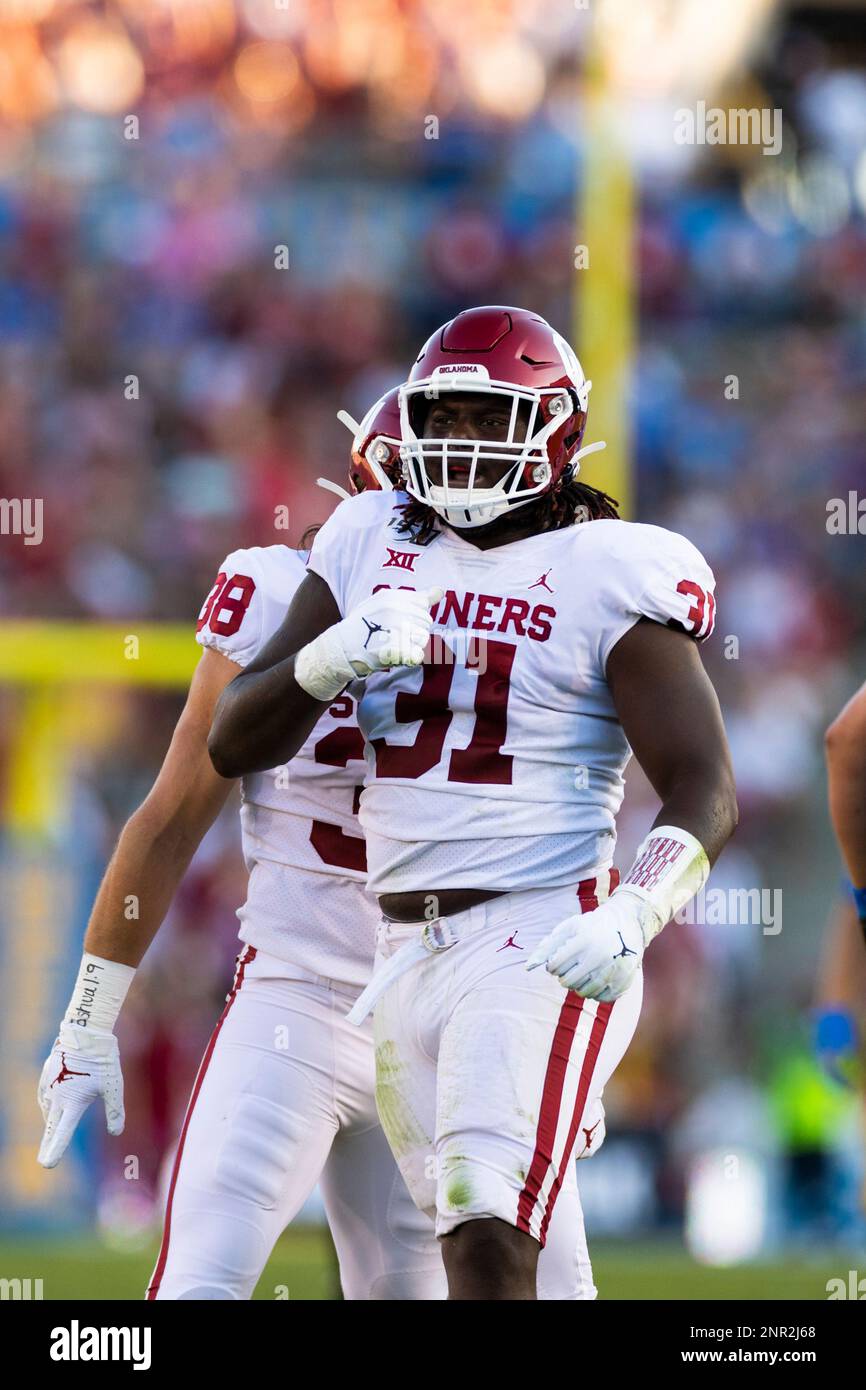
(671, 866)
(100, 989)
(859, 896)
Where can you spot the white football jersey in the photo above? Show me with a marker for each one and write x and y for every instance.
(302, 816)
(499, 764)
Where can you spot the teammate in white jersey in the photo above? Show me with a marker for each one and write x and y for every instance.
(284, 1096)
(494, 773)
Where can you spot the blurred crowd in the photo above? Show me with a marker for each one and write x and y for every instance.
(186, 301)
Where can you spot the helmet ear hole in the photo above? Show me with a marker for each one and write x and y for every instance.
(572, 440)
(375, 463)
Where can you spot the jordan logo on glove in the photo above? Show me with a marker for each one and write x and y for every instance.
(65, 1072)
(372, 629)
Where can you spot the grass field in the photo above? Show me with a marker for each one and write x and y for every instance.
(302, 1267)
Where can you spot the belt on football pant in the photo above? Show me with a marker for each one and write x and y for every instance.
(439, 935)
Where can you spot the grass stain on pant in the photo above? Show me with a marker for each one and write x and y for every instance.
(402, 1128)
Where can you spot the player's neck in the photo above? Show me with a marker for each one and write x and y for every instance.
(506, 529)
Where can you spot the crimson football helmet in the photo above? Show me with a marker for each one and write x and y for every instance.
(375, 463)
(514, 355)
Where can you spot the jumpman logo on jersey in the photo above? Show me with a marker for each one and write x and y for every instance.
(510, 942)
(65, 1072)
(590, 1132)
(626, 950)
(542, 582)
(372, 629)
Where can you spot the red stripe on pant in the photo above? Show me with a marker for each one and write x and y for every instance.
(244, 959)
(551, 1099)
(593, 1048)
(554, 1081)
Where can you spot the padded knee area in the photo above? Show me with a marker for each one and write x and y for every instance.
(208, 1294)
(410, 1285)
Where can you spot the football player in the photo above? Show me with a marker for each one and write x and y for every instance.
(284, 1096)
(495, 761)
(846, 779)
(840, 1004)
(842, 980)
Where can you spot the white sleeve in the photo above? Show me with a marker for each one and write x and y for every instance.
(232, 618)
(661, 576)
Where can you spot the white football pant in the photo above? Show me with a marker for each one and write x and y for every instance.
(284, 1099)
(490, 1077)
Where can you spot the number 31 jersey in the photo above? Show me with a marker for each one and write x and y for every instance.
(303, 816)
(499, 764)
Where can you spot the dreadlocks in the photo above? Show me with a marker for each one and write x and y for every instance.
(572, 496)
(554, 511)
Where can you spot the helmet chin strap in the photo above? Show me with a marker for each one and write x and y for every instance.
(333, 487)
(458, 513)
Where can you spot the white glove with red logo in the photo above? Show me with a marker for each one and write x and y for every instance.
(597, 954)
(84, 1062)
(81, 1066)
(388, 629)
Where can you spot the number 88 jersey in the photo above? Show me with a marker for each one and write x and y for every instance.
(302, 816)
(500, 763)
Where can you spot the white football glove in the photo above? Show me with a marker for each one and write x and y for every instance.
(598, 954)
(82, 1065)
(388, 629)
